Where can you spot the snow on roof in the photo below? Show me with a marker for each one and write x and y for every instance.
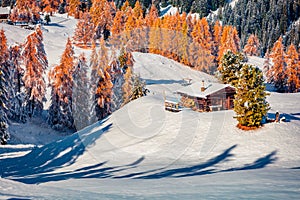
(195, 89)
(4, 10)
(173, 100)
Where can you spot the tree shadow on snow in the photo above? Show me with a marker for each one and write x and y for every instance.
(203, 168)
(199, 169)
(99, 171)
(287, 117)
(52, 156)
(258, 164)
(55, 24)
(42, 169)
(166, 82)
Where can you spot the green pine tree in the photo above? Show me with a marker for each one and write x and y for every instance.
(138, 89)
(250, 102)
(230, 67)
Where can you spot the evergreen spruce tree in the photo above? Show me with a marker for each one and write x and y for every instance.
(82, 96)
(127, 87)
(229, 68)
(267, 66)
(117, 78)
(138, 89)
(250, 102)
(17, 97)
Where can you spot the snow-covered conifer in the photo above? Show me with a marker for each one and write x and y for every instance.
(17, 96)
(230, 67)
(82, 96)
(250, 102)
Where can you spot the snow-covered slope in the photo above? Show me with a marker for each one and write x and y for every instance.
(144, 130)
(169, 10)
(165, 75)
(142, 141)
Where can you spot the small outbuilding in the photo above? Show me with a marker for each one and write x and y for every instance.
(206, 96)
(172, 104)
(4, 14)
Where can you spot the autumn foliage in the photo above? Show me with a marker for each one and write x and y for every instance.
(284, 73)
(61, 81)
(252, 46)
(35, 61)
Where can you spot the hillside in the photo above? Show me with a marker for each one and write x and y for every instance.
(142, 151)
(142, 144)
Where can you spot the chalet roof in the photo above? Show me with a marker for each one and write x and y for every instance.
(194, 89)
(4, 10)
(173, 100)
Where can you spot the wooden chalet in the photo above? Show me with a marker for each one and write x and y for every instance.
(209, 96)
(4, 14)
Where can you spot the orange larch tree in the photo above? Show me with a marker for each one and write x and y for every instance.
(125, 6)
(25, 11)
(234, 40)
(252, 46)
(102, 13)
(73, 8)
(155, 37)
(137, 10)
(61, 82)
(117, 29)
(129, 27)
(292, 69)
(217, 34)
(84, 32)
(126, 63)
(35, 61)
(3, 48)
(152, 16)
(167, 35)
(184, 40)
(104, 85)
(229, 41)
(202, 49)
(277, 75)
(50, 6)
(4, 135)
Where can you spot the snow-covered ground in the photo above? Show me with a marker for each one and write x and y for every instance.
(144, 152)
